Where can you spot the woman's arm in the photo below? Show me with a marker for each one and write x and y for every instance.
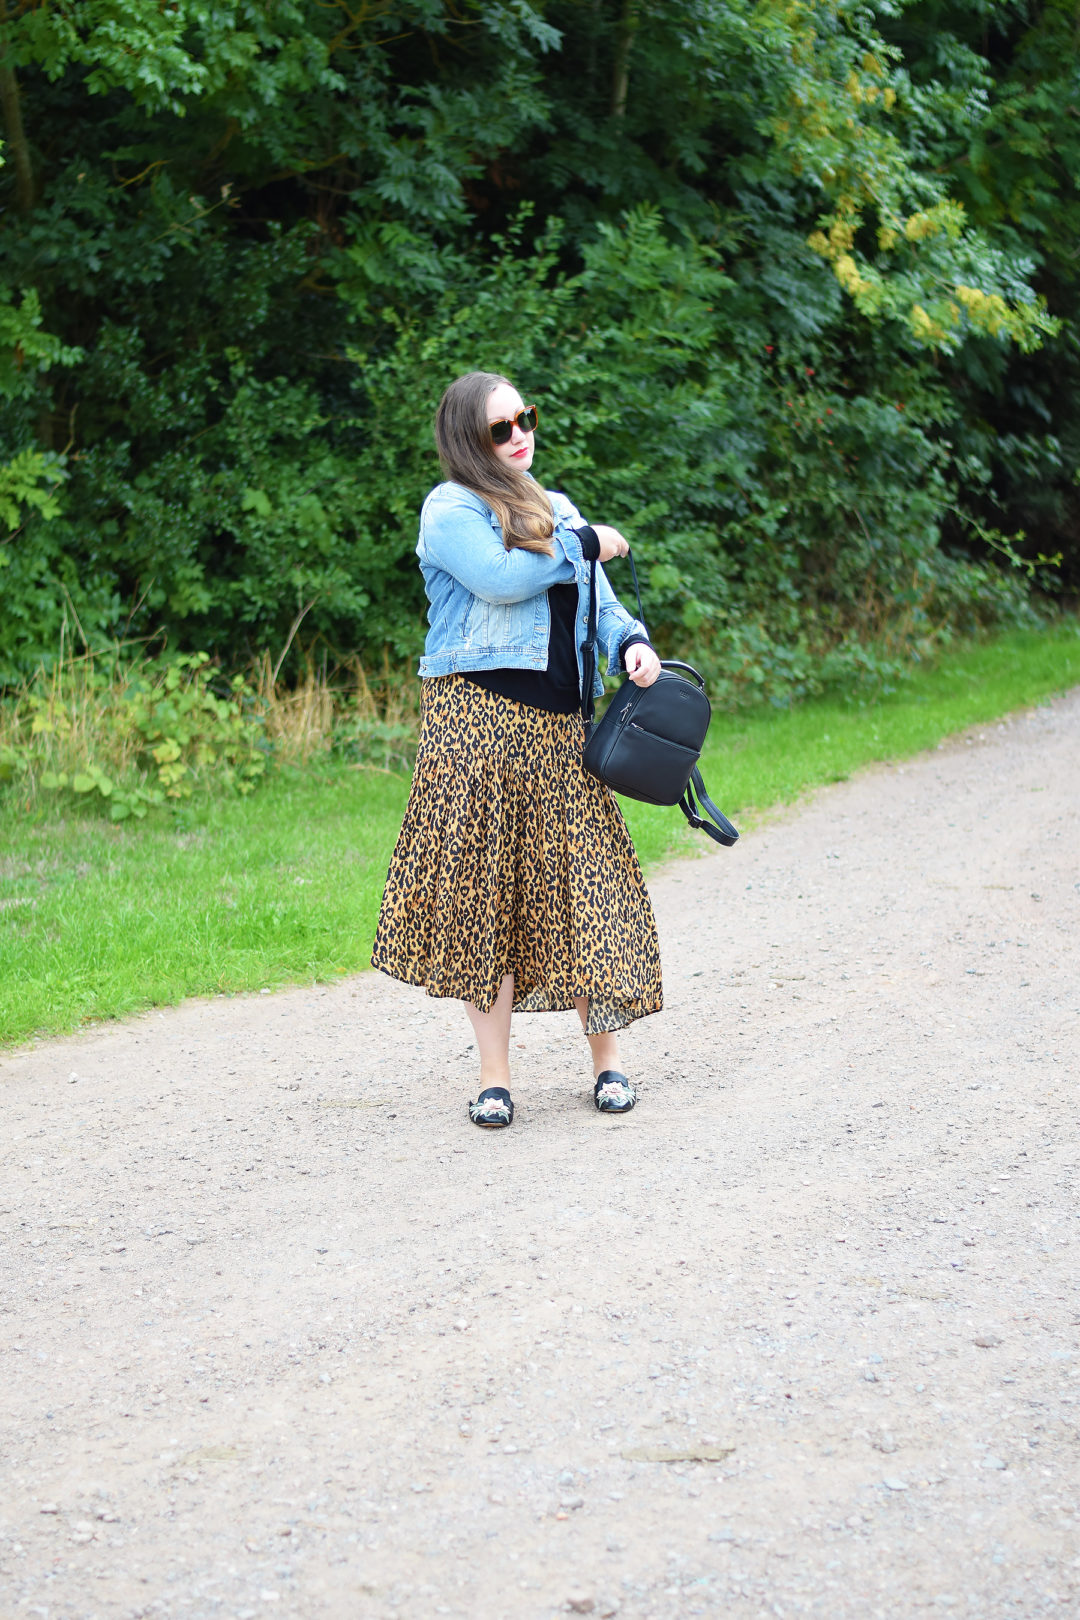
(458, 537)
(600, 542)
(625, 640)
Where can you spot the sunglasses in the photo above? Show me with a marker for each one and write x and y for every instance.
(503, 431)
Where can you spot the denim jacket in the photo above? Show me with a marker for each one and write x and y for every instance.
(489, 607)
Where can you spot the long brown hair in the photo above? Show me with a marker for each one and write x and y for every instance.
(463, 440)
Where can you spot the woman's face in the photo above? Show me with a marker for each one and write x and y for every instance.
(504, 403)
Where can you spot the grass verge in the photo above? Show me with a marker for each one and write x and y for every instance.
(224, 895)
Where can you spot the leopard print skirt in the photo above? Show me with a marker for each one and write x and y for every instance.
(514, 859)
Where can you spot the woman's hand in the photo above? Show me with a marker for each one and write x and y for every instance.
(642, 663)
(612, 543)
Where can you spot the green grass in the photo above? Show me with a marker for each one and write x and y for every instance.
(98, 920)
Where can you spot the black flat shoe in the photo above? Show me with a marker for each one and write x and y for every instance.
(613, 1093)
(493, 1109)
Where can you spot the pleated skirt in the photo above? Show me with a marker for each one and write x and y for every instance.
(514, 859)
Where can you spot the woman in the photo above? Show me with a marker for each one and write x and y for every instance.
(514, 884)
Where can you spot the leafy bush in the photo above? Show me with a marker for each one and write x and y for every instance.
(788, 333)
(130, 735)
(126, 734)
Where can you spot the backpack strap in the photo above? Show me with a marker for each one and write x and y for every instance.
(588, 646)
(700, 812)
(588, 656)
(637, 588)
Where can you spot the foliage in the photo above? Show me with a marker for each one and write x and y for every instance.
(29, 482)
(130, 735)
(811, 341)
(1006, 138)
(122, 734)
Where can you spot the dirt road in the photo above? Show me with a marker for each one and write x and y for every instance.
(283, 1334)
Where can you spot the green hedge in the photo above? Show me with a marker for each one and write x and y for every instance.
(792, 283)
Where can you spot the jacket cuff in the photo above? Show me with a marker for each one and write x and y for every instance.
(590, 542)
(636, 639)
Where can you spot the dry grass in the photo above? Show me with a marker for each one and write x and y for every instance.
(299, 721)
(370, 718)
(74, 715)
(159, 722)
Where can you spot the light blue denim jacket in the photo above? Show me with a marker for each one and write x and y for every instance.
(489, 606)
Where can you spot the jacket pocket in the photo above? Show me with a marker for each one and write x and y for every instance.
(489, 624)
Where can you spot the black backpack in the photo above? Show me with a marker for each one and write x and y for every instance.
(649, 741)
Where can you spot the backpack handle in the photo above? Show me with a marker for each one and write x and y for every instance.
(676, 663)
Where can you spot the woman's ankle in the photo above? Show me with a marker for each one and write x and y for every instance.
(605, 1054)
(494, 1077)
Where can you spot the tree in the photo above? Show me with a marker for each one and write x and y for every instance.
(260, 237)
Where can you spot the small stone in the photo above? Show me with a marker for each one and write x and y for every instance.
(722, 1535)
(884, 1442)
(607, 1609)
(580, 1603)
(987, 1341)
(496, 1500)
(894, 1484)
(994, 1462)
(48, 1507)
(571, 1502)
(460, 1326)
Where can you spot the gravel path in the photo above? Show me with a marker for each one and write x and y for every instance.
(283, 1334)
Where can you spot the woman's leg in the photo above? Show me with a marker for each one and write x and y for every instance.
(492, 1031)
(604, 1048)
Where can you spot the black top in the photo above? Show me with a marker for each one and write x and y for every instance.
(557, 688)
